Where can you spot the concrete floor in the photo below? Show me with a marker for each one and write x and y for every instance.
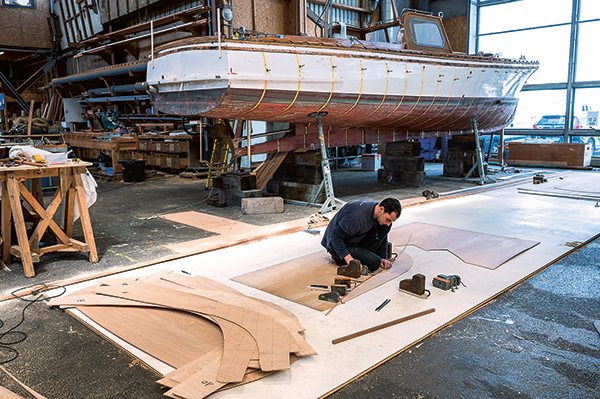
(536, 341)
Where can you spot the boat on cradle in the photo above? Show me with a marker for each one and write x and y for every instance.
(371, 91)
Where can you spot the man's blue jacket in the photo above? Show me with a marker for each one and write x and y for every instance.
(349, 226)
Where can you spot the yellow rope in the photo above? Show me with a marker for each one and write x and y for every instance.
(458, 103)
(387, 81)
(445, 105)
(434, 96)
(332, 83)
(403, 94)
(359, 92)
(264, 90)
(297, 90)
(416, 102)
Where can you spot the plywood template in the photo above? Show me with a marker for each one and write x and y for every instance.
(486, 250)
(174, 315)
(230, 232)
(290, 280)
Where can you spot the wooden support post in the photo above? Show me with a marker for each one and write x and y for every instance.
(36, 190)
(6, 225)
(69, 209)
(17, 213)
(30, 119)
(86, 223)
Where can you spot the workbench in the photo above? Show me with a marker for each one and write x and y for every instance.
(70, 187)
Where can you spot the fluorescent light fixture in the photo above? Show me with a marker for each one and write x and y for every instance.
(1, 52)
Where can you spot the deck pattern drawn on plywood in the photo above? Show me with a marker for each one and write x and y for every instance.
(291, 279)
(481, 249)
(255, 337)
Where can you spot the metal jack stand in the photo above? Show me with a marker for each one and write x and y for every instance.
(330, 201)
(479, 164)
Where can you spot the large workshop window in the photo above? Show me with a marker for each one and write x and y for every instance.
(561, 101)
(19, 3)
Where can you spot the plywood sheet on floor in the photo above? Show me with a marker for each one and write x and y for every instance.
(554, 222)
(291, 279)
(481, 249)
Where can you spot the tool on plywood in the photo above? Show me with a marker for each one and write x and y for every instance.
(414, 286)
(347, 281)
(311, 230)
(318, 287)
(353, 269)
(378, 308)
(539, 178)
(391, 255)
(446, 283)
(341, 289)
(330, 297)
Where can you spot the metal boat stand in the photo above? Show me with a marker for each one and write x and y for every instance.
(331, 202)
(479, 164)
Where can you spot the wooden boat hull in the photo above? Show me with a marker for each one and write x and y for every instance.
(359, 86)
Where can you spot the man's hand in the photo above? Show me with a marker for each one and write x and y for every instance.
(348, 258)
(386, 264)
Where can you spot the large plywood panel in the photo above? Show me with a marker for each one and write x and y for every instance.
(291, 279)
(481, 249)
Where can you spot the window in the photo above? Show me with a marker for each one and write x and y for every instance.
(426, 33)
(534, 105)
(19, 3)
(524, 14)
(587, 66)
(549, 46)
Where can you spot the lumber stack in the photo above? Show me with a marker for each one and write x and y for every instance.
(402, 164)
(214, 336)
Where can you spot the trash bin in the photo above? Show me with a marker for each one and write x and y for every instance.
(133, 170)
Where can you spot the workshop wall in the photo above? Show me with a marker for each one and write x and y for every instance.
(456, 29)
(16, 26)
(270, 16)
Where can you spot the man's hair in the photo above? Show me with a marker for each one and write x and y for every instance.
(391, 205)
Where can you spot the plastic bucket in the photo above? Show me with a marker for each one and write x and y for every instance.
(133, 170)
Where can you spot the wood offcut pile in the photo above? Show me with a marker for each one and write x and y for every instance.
(214, 336)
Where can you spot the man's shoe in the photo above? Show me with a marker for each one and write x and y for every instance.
(353, 269)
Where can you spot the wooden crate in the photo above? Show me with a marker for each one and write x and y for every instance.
(554, 154)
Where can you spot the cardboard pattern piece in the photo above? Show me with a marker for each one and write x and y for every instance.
(290, 280)
(244, 331)
(485, 250)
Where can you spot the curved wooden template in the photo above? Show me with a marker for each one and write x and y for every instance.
(481, 249)
(401, 266)
(206, 283)
(174, 282)
(237, 346)
(174, 337)
(201, 384)
(263, 307)
(272, 338)
(161, 338)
